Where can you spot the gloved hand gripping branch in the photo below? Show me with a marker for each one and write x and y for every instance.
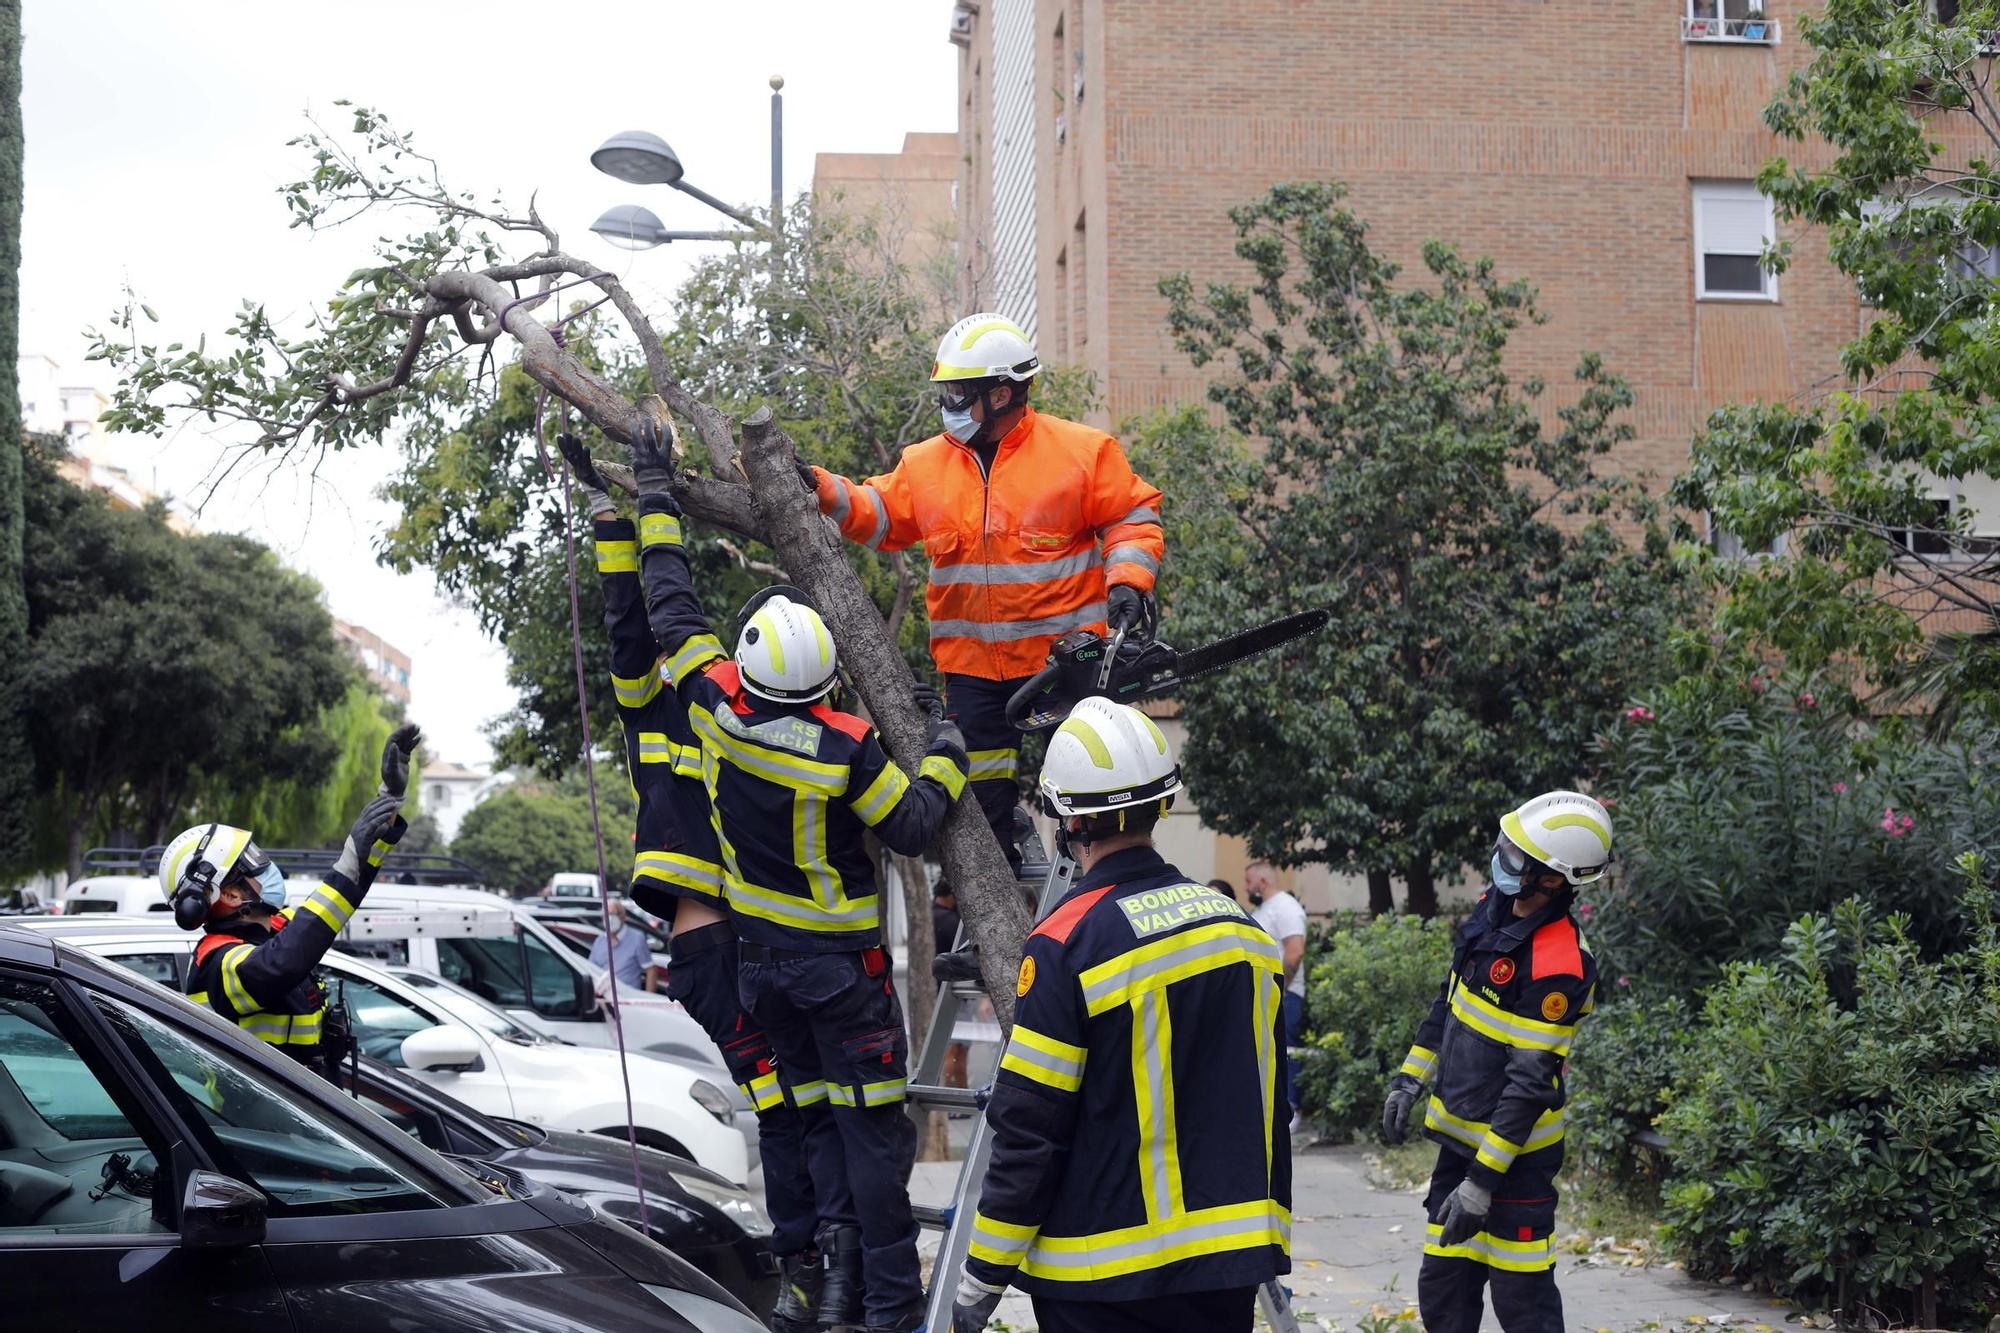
(654, 444)
(379, 815)
(595, 490)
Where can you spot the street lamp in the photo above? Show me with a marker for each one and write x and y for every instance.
(640, 158)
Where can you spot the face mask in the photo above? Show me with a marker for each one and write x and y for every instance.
(271, 885)
(960, 423)
(1256, 898)
(1505, 880)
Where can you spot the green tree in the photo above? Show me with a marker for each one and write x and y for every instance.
(17, 777)
(163, 667)
(1487, 614)
(315, 807)
(1910, 200)
(520, 836)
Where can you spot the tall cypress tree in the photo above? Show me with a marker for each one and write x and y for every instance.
(16, 763)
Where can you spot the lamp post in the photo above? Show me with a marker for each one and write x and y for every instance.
(640, 158)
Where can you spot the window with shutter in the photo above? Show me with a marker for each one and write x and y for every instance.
(1732, 225)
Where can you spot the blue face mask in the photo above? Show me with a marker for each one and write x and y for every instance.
(1509, 884)
(271, 885)
(960, 423)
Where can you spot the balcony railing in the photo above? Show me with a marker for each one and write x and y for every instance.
(1754, 32)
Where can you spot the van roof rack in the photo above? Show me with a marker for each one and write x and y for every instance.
(398, 867)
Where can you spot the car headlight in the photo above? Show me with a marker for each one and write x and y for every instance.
(731, 1202)
(712, 1100)
(705, 1314)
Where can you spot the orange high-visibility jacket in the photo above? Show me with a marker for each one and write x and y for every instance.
(1016, 558)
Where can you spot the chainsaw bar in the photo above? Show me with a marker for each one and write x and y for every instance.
(1233, 648)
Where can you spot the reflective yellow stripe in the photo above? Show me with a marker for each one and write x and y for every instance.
(809, 1094)
(1419, 1063)
(875, 803)
(617, 557)
(846, 916)
(883, 1092)
(232, 984)
(1236, 1226)
(992, 765)
(779, 766)
(635, 691)
(1267, 993)
(377, 852)
(1153, 1089)
(945, 770)
(659, 530)
(696, 653)
(1177, 957)
(762, 1092)
(687, 872)
(1475, 1134)
(1490, 1020)
(1514, 1256)
(1003, 1244)
(284, 1029)
(1032, 1055)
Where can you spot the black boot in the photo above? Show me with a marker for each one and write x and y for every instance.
(798, 1293)
(840, 1283)
(958, 965)
(910, 1319)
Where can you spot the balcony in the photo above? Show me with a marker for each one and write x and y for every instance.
(1743, 31)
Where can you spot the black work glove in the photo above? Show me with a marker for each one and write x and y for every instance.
(943, 730)
(653, 441)
(1402, 1098)
(596, 494)
(396, 752)
(973, 1305)
(1464, 1213)
(1131, 610)
(376, 820)
(928, 700)
(806, 474)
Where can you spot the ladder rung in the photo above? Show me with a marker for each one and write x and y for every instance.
(936, 1217)
(968, 990)
(955, 1099)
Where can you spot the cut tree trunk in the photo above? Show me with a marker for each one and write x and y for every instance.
(809, 547)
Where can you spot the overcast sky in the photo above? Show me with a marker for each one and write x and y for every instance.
(156, 140)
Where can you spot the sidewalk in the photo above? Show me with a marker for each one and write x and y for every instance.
(1355, 1247)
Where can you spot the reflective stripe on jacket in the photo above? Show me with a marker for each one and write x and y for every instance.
(1494, 1046)
(1140, 1144)
(674, 851)
(1017, 558)
(793, 789)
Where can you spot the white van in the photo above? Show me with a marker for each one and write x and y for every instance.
(126, 895)
(573, 884)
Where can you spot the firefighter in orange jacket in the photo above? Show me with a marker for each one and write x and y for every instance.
(1034, 526)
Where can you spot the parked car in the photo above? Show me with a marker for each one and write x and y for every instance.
(473, 1050)
(697, 1214)
(125, 895)
(164, 1170)
(573, 884)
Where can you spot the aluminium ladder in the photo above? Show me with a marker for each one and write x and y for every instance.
(926, 1093)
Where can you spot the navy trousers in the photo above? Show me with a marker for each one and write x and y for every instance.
(992, 746)
(1512, 1256)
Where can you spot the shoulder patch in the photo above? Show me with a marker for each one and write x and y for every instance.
(1025, 982)
(1554, 1005)
(848, 725)
(1556, 951)
(1060, 924)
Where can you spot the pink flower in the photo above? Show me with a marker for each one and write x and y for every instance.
(1896, 825)
(1639, 713)
(1584, 910)
(1807, 701)
(1624, 981)
(1840, 789)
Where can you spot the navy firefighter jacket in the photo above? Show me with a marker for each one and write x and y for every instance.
(1140, 1144)
(793, 789)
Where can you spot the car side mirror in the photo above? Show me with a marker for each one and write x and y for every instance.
(219, 1212)
(446, 1048)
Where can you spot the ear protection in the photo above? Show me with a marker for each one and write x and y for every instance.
(196, 886)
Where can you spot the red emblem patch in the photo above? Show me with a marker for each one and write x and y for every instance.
(1501, 972)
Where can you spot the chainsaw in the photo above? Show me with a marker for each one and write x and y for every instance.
(1128, 668)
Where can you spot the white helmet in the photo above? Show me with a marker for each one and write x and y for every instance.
(985, 346)
(1564, 830)
(1107, 756)
(199, 861)
(785, 652)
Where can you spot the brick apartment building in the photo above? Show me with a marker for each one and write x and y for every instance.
(1605, 152)
(386, 666)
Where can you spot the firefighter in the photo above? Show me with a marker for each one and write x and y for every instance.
(795, 785)
(254, 965)
(1034, 526)
(1141, 1170)
(677, 876)
(1493, 1051)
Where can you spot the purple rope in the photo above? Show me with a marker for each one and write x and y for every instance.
(590, 779)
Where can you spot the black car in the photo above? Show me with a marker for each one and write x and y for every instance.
(159, 1169)
(692, 1211)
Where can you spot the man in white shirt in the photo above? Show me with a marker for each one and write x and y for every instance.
(1281, 916)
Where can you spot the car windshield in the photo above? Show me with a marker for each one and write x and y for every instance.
(470, 1008)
